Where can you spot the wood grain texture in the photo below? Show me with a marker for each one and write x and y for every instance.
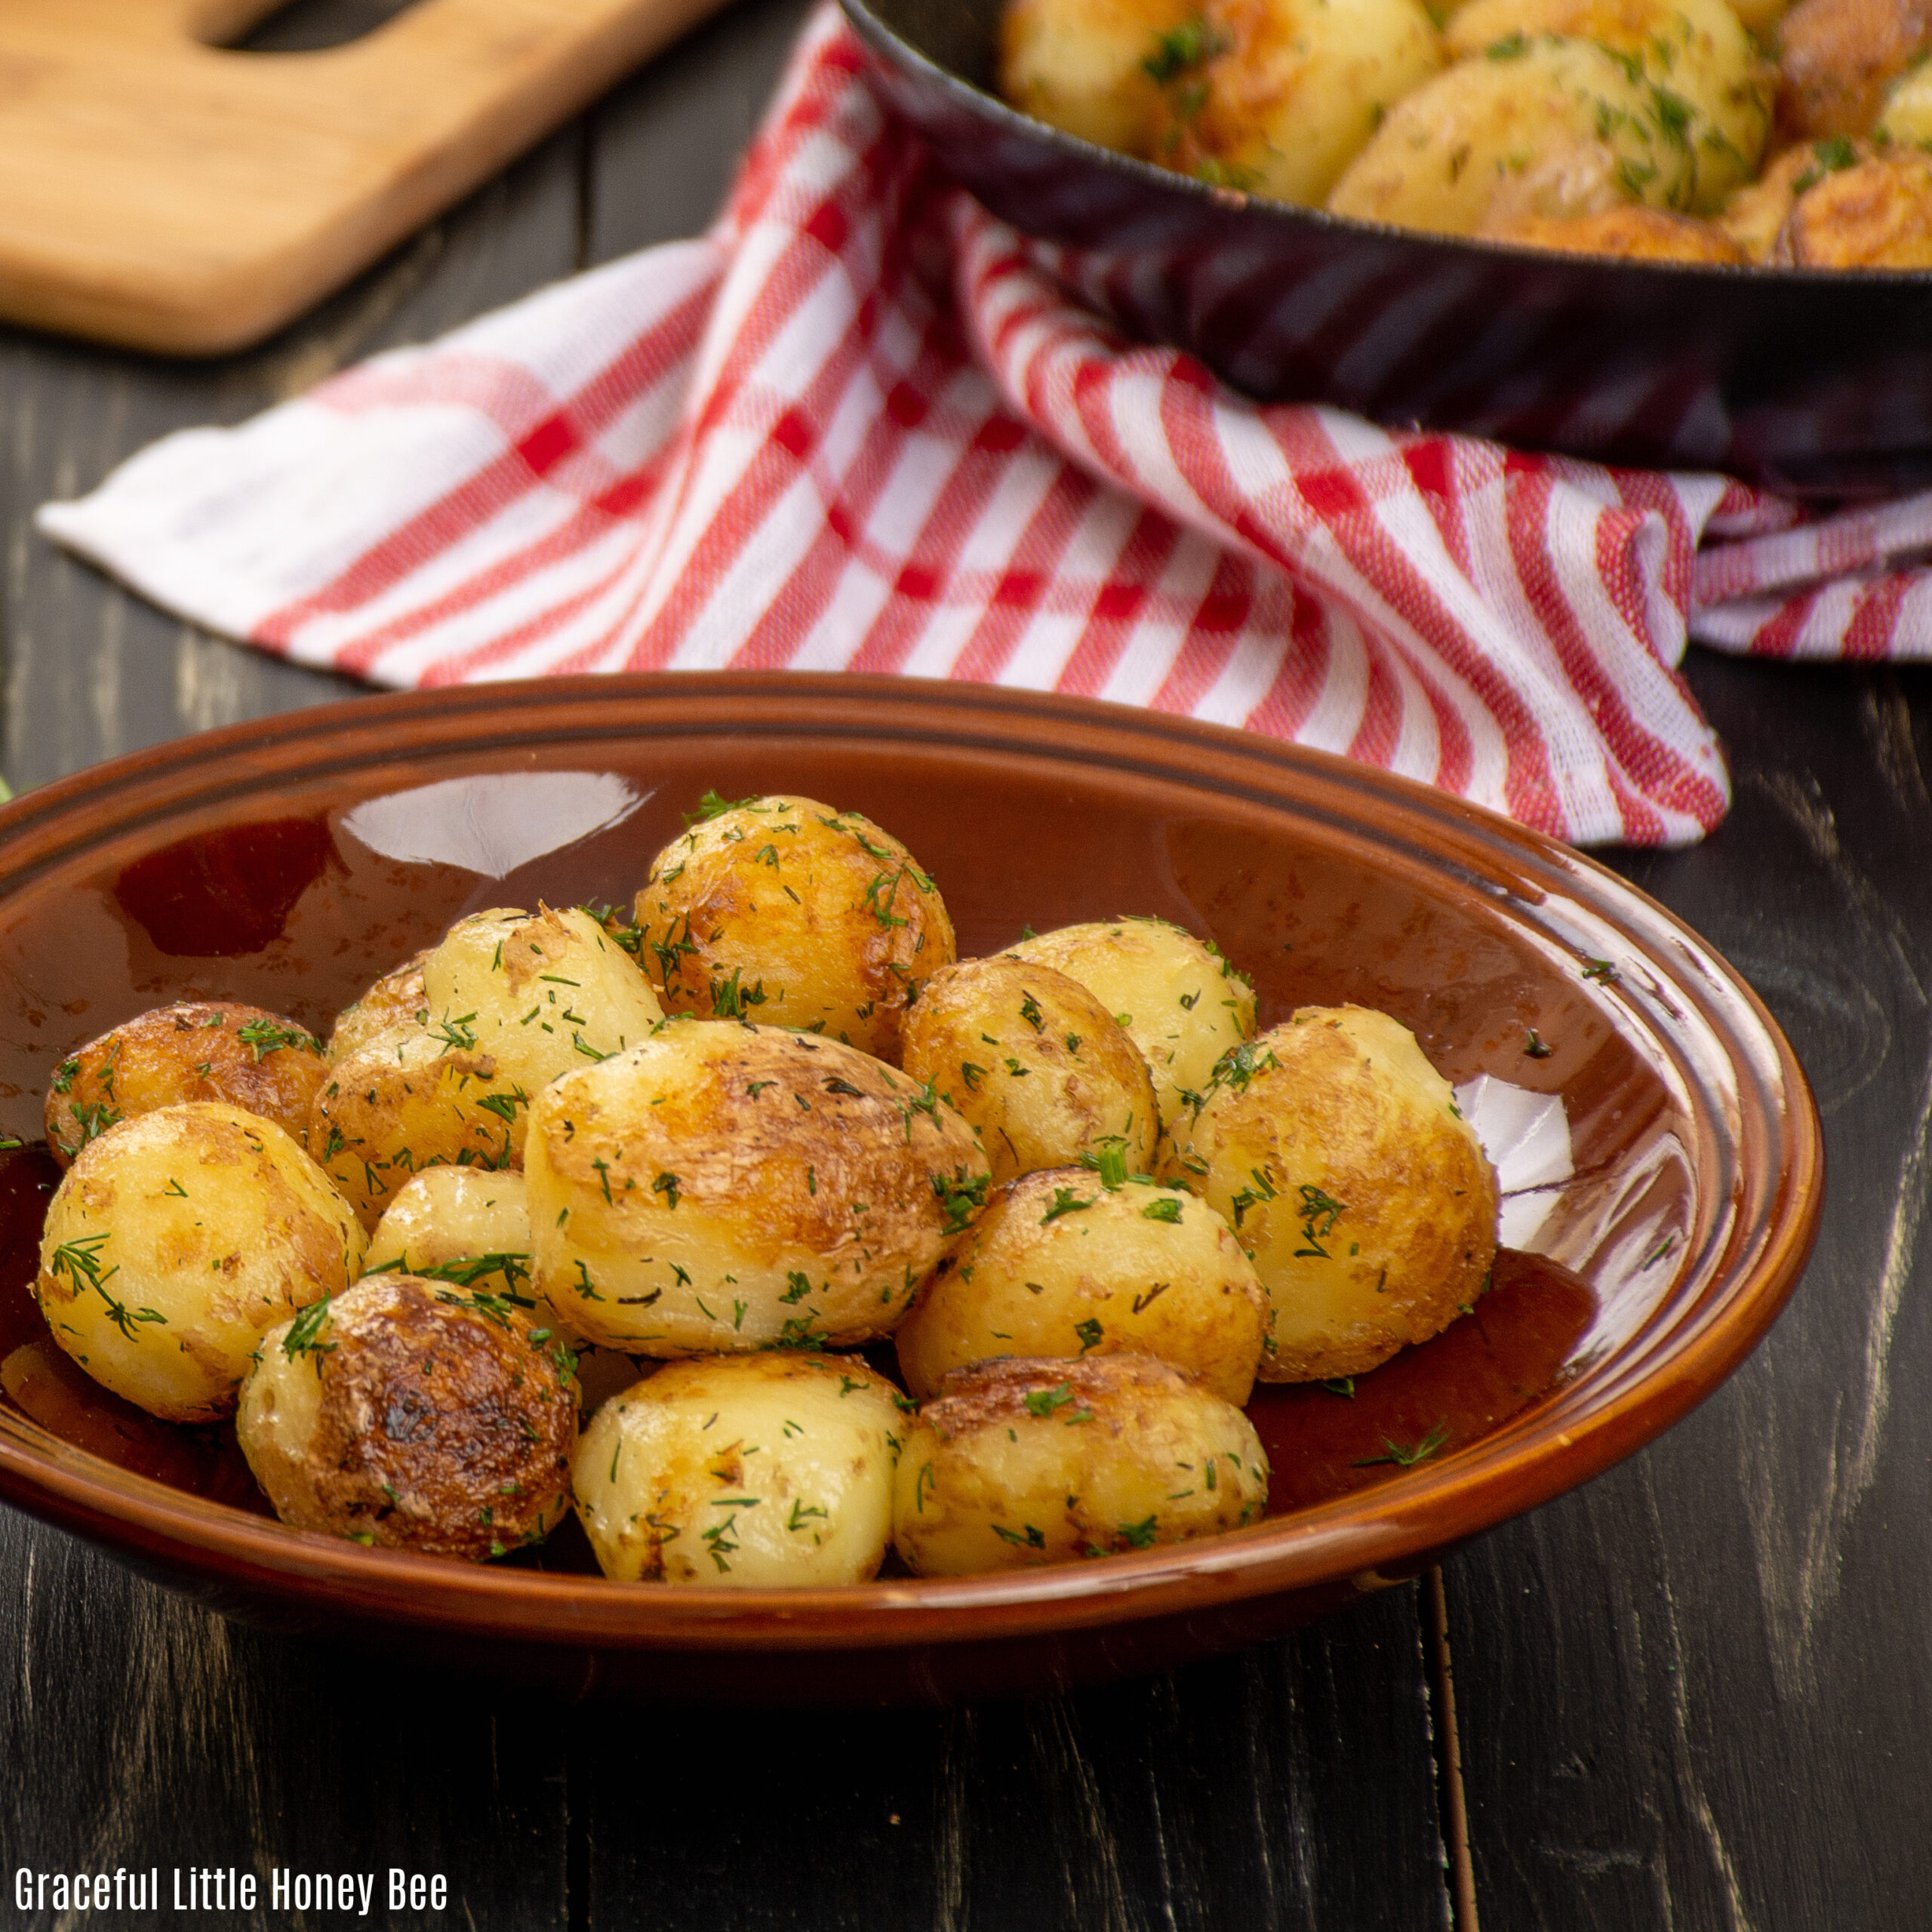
(187, 196)
(1696, 1693)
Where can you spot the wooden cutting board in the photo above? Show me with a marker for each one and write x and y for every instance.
(159, 189)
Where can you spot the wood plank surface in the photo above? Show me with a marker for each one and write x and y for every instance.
(1293, 1786)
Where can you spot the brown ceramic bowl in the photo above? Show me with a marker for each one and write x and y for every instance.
(287, 862)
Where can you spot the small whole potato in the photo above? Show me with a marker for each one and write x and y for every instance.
(1034, 1061)
(1289, 90)
(1875, 214)
(468, 1224)
(725, 1186)
(1061, 1264)
(407, 1101)
(396, 1003)
(540, 995)
(1175, 997)
(176, 1241)
(411, 1415)
(200, 1050)
(1015, 1464)
(1337, 1154)
(767, 1471)
(1561, 112)
(1836, 58)
(1711, 91)
(1082, 65)
(781, 910)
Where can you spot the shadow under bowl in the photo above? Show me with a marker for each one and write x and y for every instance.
(287, 864)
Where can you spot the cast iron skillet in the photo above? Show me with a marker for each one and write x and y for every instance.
(1804, 380)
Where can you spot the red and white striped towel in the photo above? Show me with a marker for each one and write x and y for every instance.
(860, 425)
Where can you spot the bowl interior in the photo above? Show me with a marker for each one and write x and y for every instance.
(1662, 1231)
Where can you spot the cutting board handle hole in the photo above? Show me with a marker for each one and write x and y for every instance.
(306, 27)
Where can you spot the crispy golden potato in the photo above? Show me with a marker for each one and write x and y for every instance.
(1634, 233)
(1837, 57)
(1755, 216)
(1711, 91)
(199, 1050)
(1015, 1464)
(1035, 1062)
(1281, 95)
(406, 1102)
(725, 1186)
(1175, 997)
(1875, 214)
(396, 1003)
(1062, 1265)
(176, 1241)
(1559, 126)
(540, 995)
(1082, 65)
(1338, 1155)
(414, 1415)
(782, 910)
(769, 1472)
(468, 1224)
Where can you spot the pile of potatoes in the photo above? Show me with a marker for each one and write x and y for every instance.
(596, 1209)
(1699, 130)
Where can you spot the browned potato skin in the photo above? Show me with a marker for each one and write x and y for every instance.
(1836, 58)
(1875, 214)
(833, 933)
(397, 1000)
(441, 1425)
(1755, 216)
(191, 1050)
(971, 1018)
(1032, 1273)
(1633, 232)
(377, 1120)
(1124, 1430)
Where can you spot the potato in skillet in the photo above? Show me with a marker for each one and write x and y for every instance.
(781, 910)
(769, 1472)
(175, 1240)
(1040, 1067)
(1064, 1263)
(726, 1187)
(1016, 1464)
(1175, 997)
(1836, 59)
(194, 1050)
(1337, 1154)
(413, 1415)
(1082, 65)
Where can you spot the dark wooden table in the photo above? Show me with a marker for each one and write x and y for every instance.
(1696, 1695)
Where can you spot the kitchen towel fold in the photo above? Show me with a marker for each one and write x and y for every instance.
(861, 426)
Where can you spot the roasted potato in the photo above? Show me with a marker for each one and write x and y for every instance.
(1755, 216)
(726, 1186)
(1905, 117)
(539, 994)
(1338, 1155)
(1034, 1061)
(1875, 214)
(409, 1414)
(782, 910)
(1837, 57)
(468, 1224)
(1014, 1464)
(1175, 997)
(1560, 125)
(1632, 232)
(769, 1472)
(1062, 1264)
(1278, 96)
(409, 1101)
(175, 1240)
(201, 1050)
(1082, 65)
(396, 1003)
(1711, 91)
